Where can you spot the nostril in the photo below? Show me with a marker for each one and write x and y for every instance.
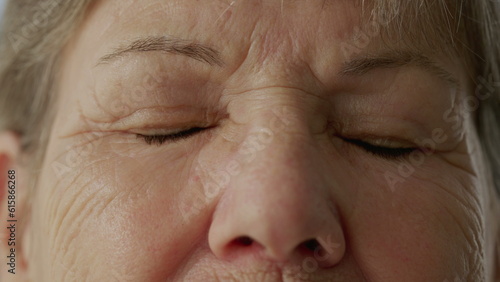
(239, 246)
(311, 245)
(243, 241)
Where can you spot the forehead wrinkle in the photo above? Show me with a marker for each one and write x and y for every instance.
(223, 13)
(420, 24)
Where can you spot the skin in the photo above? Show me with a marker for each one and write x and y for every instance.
(275, 166)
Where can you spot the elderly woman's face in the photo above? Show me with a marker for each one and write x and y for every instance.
(255, 141)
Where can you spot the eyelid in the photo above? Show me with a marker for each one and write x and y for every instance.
(387, 142)
(165, 118)
(178, 135)
(388, 153)
(380, 140)
(159, 131)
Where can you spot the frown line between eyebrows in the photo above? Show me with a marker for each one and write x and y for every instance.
(166, 44)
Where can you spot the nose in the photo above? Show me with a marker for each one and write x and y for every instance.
(280, 207)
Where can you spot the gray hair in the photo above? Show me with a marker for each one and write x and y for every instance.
(33, 35)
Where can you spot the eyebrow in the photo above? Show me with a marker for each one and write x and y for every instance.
(361, 66)
(165, 44)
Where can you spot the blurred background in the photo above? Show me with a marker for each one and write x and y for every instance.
(2, 4)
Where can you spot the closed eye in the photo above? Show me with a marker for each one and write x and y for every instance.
(174, 137)
(383, 152)
(379, 151)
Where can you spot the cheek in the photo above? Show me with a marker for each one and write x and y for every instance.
(120, 217)
(431, 220)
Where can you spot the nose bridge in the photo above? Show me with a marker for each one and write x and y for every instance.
(280, 146)
(279, 110)
(281, 157)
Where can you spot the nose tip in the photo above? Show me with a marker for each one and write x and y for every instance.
(310, 238)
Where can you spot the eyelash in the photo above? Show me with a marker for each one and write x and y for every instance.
(383, 152)
(178, 136)
(379, 151)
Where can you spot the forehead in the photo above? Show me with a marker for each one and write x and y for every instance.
(209, 21)
(270, 25)
(217, 13)
(273, 42)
